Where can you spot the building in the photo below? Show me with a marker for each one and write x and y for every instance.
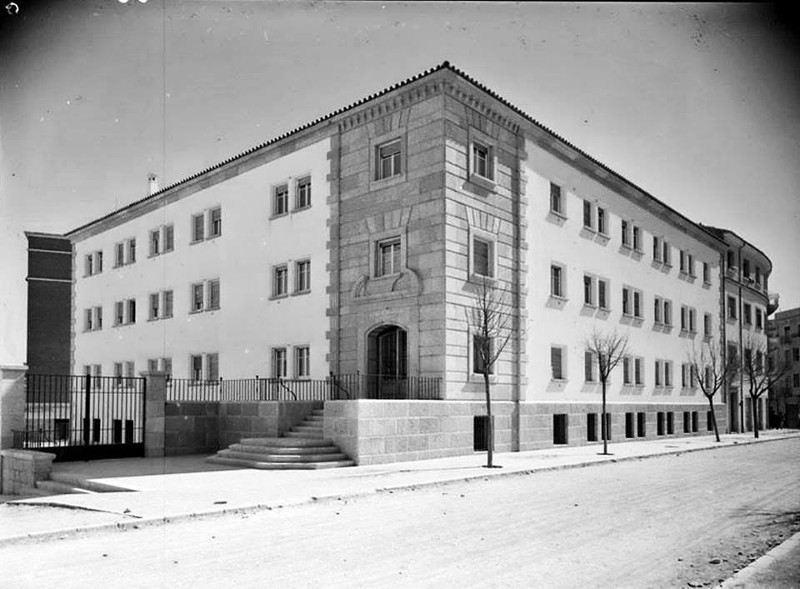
(784, 401)
(355, 244)
(746, 306)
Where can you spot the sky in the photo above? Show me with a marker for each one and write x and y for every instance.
(695, 103)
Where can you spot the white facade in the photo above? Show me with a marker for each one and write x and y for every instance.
(250, 320)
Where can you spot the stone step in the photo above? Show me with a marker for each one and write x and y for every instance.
(58, 488)
(298, 458)
(294, 441)
(34, 492)
(314, 419)
(309, 435)
(321, 449)
(278, 465)
(312, 429)
(76, 480)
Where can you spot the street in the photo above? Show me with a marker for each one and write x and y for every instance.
(660, 522)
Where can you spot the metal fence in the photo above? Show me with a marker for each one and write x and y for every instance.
(335, 387)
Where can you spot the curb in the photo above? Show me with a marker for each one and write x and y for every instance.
(134, 524)
(743, 577)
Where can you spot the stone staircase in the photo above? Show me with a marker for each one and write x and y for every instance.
(64, 483)
(302, 448)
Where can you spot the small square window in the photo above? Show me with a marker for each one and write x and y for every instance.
(388, 160)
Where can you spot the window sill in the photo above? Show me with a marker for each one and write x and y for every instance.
(278, 215)
(379, 183)
(278, 297)
(559, 380)
(301, 292)
(558, 298)
(299, 210)
(482, 181)
(558, 214)
(480, 279)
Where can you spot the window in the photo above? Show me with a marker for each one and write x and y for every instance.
(602, 290)
(388, 160)
(556, 281)
(131, 310)
(131, 251)
(167, 303)
(658, 368)
(796, 354)
(482, 160)
(746, 268)
(280, 280)
(212, 366)
(279, 362)
(684, 318)
(89, 265)
(213, 294)
(119, 313)
(196, 367)
(118, 371)
(303, 195)
(706, 273)
(482, 257)
(152, 365)
(759, 319)
(657, 249)
(166, 366)
(88, 320)
(215, 222)
(631, 302)
(731, 308)
(683, 267)
(588, 366)
(169, 238)
(626, 234)
(587, 214)
(796, 380)
(482, 350)
(280, 200)
(667, 254)
(707, 324)
(155, 305)
(302, 271)
(758, 275)
(302, 359)
(198, 227)
(637, 239)
(637, 304)
(667, 374)
(388, 259)
(556, 199)
(638, 376)
(731, 261)
(155, 242)
(557, 362)
(668, 313)
(690, 265)
(626, 301)
(657, 304)
(198, 297)
(601, 220)
(708, 375)
(748, 314)
(119, 254)
(685, 375)
(130, 370)
(588, 290)
(626, 370)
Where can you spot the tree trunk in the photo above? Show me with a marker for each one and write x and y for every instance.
(754, 413)
(489, 425)
(604, 423)
(713, 416)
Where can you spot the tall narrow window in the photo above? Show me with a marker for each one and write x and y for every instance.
(302, 362)
(198, 227)
(557, 363)
(587, 214)
(482, 257)
(388, 258)
(302, 271)
(131, 310)
(482, 354)
(637, 238)
(482, 160)
(707, 324)
(667, 374)
(88, 321)
(215, 222)
(280, 200)
(626, 235)
(169, 238)
(213, 294)
(588, 366)
(119, 313)
(626, 370)
(119, 254)
(637, 371)
(556, 281)
(602, 296)
(155, 242)
(196, 368)
(303, 196)
(197, 297)
(588, 290)
(280, 280)
(155, 305)
(667, 313)
(706, 273)
(657, 374)
(168, 303)
(89, 269)
(279, 362)
(388, 160)
(601, 220)
(637, 304)
(626, 301)
(212, 366)
(657, 311)
(667, 254)
(657, 249)
(131, 251)
(556, 199)
(98, 317)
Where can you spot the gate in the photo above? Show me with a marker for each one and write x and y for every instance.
(84, 417)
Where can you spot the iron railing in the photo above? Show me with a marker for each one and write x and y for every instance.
(335, 387)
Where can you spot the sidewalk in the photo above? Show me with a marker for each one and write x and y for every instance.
(169, 489)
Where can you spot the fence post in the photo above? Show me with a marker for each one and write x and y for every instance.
(155, 400)
(12, 403)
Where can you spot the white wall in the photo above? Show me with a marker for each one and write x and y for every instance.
(569, 323)
(248, 323)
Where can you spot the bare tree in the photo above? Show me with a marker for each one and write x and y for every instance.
(608, 350)
(711, 372)
(761, 371)
(491, 326)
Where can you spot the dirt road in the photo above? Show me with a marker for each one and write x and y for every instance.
(661, 522)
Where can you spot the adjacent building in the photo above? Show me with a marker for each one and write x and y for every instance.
(784, 399)
(356, 244)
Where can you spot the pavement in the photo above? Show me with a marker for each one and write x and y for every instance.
(155, 491)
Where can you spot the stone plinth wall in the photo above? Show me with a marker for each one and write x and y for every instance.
(22, 468)
(537, 424)
(375, 432)
(194, 427)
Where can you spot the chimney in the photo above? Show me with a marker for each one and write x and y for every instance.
(153, 181)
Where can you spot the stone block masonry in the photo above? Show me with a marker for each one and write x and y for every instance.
(22, 468)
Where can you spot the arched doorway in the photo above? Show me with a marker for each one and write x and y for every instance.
(387, 362)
